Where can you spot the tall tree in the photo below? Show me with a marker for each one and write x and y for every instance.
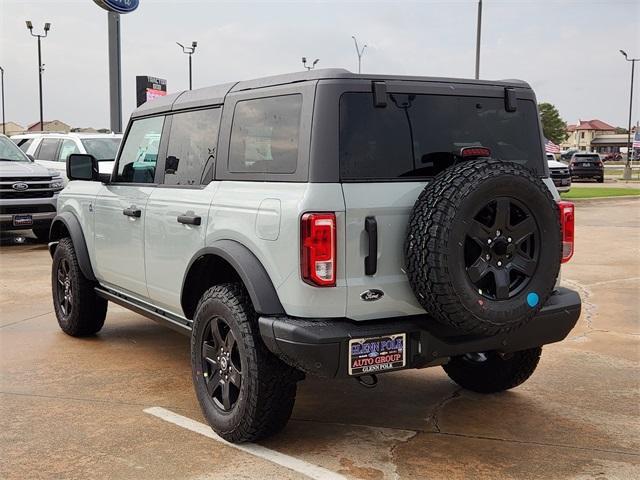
(553, 127)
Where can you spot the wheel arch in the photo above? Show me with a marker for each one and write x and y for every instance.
(228, 261)
(66, 224)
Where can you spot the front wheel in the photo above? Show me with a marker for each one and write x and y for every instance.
(245, 392)
(493, 372)
(79, 310)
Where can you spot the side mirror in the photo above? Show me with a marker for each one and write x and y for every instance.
(82, 166)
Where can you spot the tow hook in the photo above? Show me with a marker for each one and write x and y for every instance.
(368, 384)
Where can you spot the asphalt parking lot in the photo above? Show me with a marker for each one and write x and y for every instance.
(75, 408)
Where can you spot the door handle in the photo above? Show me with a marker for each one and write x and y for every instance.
(189, 219)
(371, 260)
(132, 211)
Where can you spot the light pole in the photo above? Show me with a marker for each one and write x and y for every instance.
(627, 167)
(359, 52)
(189, 51)
(47, 27)
(478, 31)
(4, 122)
(312, 66)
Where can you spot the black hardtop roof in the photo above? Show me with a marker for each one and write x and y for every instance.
(215, 94)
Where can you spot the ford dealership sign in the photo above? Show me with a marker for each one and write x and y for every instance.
(118, 6)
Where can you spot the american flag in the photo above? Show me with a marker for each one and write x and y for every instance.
(550, 147)
(636, 140)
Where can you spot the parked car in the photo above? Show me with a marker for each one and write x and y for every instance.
(559, 173)
(612, 157)
(567, 154)
(587, 165)
(28, 192)
(324, 223)
(52, 149)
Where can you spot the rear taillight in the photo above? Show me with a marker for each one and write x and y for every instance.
(318, 249)
(474, 152)
(567, 222)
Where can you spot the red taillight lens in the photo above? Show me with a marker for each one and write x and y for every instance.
(318, 249)
(567, 225)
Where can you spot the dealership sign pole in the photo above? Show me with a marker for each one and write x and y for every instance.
(115, 8)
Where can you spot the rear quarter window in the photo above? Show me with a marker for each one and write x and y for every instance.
(265, 135)
(418, 135)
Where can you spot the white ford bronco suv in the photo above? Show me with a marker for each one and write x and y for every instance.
(324, 223)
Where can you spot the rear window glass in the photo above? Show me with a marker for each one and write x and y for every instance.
(419, 135)
(265, 134)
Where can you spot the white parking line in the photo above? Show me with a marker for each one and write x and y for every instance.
(292, 463)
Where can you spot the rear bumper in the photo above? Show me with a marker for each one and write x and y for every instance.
(320, 346)
(587, 172)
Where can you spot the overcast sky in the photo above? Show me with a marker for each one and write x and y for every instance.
(567, 50)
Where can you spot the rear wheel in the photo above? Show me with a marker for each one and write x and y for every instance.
(245, 392)
(600, 179)
(79, 310)
(493, 372)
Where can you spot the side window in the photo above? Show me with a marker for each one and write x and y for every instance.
(48, 149)
(137, 163)
(264, 135)
(68, 147)
(23, 143)
(192, 147)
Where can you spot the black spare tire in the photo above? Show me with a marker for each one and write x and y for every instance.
(483, 248)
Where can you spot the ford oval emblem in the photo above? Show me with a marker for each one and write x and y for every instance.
(118, 6)
(20, 186)
(371, 295)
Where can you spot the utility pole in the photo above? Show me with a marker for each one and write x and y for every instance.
(478, 32)
(309, 67)
(359, 52)
(4, 121)
(115, 72)
(189, 51)
(47, 27)
(627, 167)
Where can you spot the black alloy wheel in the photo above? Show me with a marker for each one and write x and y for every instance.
(64, 290)
(501, 248)
(221, 364)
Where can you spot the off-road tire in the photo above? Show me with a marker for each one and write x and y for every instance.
(87, 310)
(437, 228)
(42, 234)
(495, 374)
(268, 389)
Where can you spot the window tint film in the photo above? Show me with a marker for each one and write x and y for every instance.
(48, 149)
(192, 147)
(264, 135)
(421, 135)
(139, 155)
(68, 147)
(102, 148)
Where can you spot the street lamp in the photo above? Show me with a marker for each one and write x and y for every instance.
(47, 27)
(627, 167)
(313, 65)
(189, 51)
(4, 122)
(359, 52)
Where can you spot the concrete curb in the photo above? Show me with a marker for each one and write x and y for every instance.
(595, 200)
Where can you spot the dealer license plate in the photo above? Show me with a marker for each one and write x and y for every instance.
(22, 220)
(585, 164)
(377, 354)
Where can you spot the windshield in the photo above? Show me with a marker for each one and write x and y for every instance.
(102, 148)
(9, 152)
(420, 135)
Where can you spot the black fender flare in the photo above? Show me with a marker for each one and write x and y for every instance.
(72, 225)
(250, 270)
